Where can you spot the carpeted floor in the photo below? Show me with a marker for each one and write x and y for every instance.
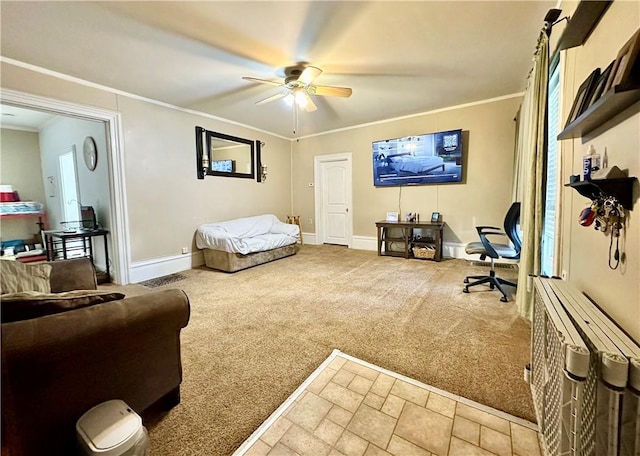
(255, 335)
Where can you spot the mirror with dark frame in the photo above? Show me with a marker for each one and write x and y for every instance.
(224, 155)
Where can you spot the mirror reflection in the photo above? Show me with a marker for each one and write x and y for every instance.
(230, 156)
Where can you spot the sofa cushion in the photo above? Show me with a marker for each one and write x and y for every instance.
(30, 304)
(16, 277)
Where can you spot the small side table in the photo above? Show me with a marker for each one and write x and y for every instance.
(295, 220)
(86, 249)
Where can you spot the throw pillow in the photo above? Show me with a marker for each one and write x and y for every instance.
(29, 304)
(16, 277)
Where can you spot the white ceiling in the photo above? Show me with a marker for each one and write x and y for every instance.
(400, 58)
(23, 119)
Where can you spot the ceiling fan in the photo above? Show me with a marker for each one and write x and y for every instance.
(298, 86)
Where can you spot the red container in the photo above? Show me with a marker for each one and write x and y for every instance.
(7, 197)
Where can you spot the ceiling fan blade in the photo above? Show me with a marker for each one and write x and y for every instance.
(309, 74)
(275, 97)
(310, 106)
(262, 81)
(329, 91)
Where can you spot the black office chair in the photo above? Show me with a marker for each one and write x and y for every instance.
(493, 250)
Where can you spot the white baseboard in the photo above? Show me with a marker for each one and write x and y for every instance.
(364, 243)
(158, 267)
(309, 238)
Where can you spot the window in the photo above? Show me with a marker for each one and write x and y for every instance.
(549, 237)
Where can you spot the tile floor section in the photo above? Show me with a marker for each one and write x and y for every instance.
(352, 408)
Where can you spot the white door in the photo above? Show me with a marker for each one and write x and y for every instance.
(69, 186)
(335, 220)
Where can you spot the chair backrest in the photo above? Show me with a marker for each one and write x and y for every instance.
(511, 227)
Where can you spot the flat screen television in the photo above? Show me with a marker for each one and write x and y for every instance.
(225, 166)
(433, 158)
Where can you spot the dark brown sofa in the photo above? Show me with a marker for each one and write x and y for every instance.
(56, 367)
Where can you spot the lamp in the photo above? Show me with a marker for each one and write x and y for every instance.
(205, 163)
(262, 170)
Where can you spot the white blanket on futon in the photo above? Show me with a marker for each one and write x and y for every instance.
(247, 235)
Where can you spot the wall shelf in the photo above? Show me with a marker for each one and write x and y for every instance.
(608, 106)
(621, 188)
(581, 24)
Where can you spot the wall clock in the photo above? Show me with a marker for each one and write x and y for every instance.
(90, 153)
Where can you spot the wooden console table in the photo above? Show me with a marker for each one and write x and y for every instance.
(404, 234)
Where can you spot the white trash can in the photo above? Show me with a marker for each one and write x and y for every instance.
(112, 429)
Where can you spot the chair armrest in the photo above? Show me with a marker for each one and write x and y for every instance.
(496, 233)
(69, 275)
(486, 227)
(62, 365)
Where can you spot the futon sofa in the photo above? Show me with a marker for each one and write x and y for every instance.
(245, 242)
(57, 366)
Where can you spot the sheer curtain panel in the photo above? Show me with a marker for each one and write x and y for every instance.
(529, 178)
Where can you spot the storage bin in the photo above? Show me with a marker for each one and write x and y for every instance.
(424, 253)
(112, 428)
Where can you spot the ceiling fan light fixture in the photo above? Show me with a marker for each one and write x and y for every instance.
(289, 99)
(301, 97)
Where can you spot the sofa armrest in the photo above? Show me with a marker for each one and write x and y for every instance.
(57, 367)
(286, 228)
(75, 274)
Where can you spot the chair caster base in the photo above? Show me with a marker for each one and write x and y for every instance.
(465, 290)
(466, 280)
(504, 299)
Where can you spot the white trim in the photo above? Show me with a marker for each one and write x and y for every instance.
(410, 116)
(365, 243)
(255, 436)
(317, 178)
(158, 267)
(94, 85)
(119, 230)
(5, 126)
(309, 238)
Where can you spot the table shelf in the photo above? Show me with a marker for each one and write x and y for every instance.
(408, 239)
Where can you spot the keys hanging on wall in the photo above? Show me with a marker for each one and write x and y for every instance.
(608, 216)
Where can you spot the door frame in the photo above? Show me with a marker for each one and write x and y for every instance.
(318, 175)
(115, 157)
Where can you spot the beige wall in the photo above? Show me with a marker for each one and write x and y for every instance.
(584, 250)
(166, 202)
(483, 198)
(20, 167)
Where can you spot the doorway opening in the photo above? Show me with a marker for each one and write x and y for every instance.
(113, 184)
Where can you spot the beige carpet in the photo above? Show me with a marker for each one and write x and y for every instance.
(255, 335)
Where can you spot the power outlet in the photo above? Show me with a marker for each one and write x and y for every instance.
(564, 274)
(185, 250)
(310, 221)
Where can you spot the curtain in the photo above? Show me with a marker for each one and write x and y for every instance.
(529, 178)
